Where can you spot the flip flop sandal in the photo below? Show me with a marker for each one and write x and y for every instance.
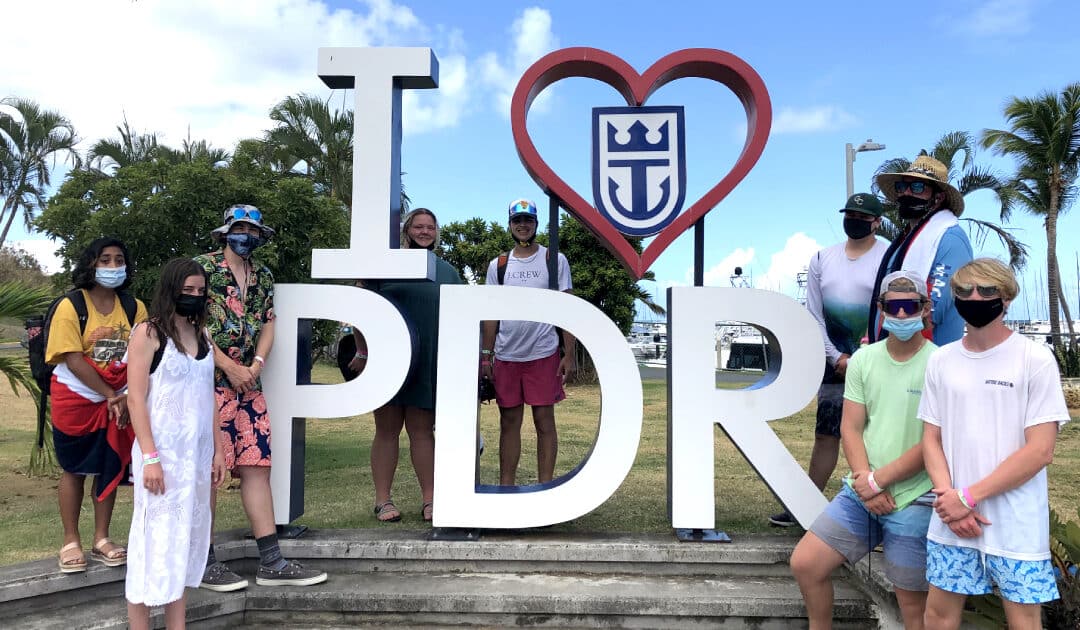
(73, 563)
(427, 510)
(115, 558)
(387, 507)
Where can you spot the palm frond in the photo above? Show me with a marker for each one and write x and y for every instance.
(17, 371)
(20, 301)
(1018, 251)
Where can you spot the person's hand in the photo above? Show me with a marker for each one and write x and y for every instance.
(357, 364)
(117, 405)
(154, 478)
(970, 526)
(881, 504)
(240, 377)
(841, 364)
(218, 473)
(861, 485)
(567, 367)
(948, 505)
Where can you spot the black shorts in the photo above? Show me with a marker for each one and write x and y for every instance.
(830, 408)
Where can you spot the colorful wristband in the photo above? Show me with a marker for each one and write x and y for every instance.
(261, 360)
(873, 484)
(485, 363)
(966, 498)
(151, 460)
(153, 455)
(360, 355)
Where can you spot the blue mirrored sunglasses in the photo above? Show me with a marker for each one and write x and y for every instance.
(239, 212)
(910, 306)
(916, 187)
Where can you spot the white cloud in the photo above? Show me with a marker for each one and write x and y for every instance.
(781, 273)
(812, 119)
(997, 18)
(208, 67)
(533, 39)
(719, 275)
(43, 250)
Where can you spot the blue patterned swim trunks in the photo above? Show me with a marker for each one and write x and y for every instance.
(970, 572)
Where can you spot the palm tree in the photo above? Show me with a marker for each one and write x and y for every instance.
(1044, 138)
(27, 142)
(308, 132)
(20, 301)
(131, 148)
(972, 177)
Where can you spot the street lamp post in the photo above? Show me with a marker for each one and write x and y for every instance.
(849, 157)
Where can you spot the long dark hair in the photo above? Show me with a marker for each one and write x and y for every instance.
(84, 275)
(163, 308)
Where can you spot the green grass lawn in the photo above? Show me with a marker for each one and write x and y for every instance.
(339, 491)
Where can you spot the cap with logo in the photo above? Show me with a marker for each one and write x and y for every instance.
(520, 207)
(864, 203)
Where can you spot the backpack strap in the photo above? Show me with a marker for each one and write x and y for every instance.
(500, 266)
(130, 306)
(78, 300)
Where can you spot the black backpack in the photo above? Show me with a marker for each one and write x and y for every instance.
(37, 331)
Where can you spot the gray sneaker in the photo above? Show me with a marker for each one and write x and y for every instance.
(218, 577)
(293, 574)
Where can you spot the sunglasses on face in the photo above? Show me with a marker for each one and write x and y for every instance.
(246, 213)
(915, 187)
(909, 306)
(964, 291)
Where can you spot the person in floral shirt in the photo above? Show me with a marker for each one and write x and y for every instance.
(241, 321)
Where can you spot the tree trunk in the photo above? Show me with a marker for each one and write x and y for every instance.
(10, 212)
(1053, 282)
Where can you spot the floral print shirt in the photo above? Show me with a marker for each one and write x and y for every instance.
(235, 324)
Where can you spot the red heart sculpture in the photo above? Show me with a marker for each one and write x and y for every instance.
(706, 63)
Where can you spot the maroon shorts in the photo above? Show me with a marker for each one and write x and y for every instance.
(535, 382)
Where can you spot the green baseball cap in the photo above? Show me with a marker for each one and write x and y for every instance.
(864, 203)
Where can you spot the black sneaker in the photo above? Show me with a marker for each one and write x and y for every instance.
(783, 519)
(218, 577)
(292, 574)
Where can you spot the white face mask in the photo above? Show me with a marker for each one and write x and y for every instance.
(110, 277)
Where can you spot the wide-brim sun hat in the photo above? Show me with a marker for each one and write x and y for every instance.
(927, 169)
(241, 213)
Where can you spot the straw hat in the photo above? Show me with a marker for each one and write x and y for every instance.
(929, 170)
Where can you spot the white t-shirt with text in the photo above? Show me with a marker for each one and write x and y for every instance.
(983, 402)
(521, 341)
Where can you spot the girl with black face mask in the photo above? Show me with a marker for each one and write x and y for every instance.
(177, 456)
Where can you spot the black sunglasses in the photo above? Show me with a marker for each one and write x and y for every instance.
(916, 187)
(964, 291)
(909, 306)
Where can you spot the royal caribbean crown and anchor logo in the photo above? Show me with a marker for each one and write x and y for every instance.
(639, 166)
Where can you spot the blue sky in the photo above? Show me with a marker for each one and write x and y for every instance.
(837, 72)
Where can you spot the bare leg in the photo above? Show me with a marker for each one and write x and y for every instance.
(70, 490)
(138, 616)
(547, 441)
(943, 609)
(384, 449)
(175, 614)
(912, 607)
(420, 424)
(102, 517)
(509, 443)
(812, 563)
(823, 459)
(257, 499)
(1022, 616)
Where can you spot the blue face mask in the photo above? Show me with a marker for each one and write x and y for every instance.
(903, 329)
(110, 277)
(243, 244)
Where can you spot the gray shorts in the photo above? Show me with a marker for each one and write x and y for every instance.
(849, 528)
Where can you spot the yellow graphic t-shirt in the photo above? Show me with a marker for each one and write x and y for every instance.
(105, 338)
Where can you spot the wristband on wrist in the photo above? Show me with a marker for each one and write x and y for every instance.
(873, 484)
(152, 460)
(151, 455)
(485, 363)
(488, 352)
(965, 497)
(261, 360)
(360, 355)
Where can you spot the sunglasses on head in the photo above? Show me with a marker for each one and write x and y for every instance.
(915, 187)
(246, 213)
(908, 305)
(522, 218)
(964, 291)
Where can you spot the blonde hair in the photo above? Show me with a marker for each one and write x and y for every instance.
(406, 223)
(986, 272)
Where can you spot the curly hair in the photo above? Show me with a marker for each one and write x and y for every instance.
(84, 275)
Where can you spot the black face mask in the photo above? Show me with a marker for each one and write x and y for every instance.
(190, 305)
(913, 207)
(978, 313)
(857, 228)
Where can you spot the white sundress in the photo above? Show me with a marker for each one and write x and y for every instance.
(170, 532)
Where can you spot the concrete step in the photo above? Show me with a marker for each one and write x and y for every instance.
(493, 600)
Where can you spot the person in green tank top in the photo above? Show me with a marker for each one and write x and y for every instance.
(886, 498)
(413, 407)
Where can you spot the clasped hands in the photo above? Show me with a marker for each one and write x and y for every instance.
(965, 522)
